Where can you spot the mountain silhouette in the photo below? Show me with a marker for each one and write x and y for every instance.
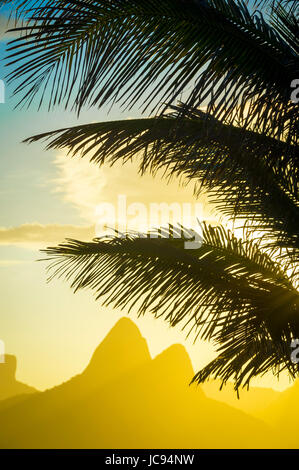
(123, 349)
(9, 386)
(125, 399)
(251, 401)
(283, 414)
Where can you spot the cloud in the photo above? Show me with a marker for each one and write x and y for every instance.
(81, 184)
(118, 197)
(85, 185)
(38, 236)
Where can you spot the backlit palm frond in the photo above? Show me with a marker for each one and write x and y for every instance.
(286, 24)
(244, 361)
(226, 290)
(95, 52)
(247, 175)
(269, 5)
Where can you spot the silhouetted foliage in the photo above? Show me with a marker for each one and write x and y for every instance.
(235, 134)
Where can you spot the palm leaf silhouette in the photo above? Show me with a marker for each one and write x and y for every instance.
(96, 52)
(218, 75)
(227, 291)
(236, 165)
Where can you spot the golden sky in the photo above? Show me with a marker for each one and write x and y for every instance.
(52, 331)
(45, 197)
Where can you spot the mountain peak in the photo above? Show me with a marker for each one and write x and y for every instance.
(125, 325)
(8, 368)
(175, 362)
(125, 333)
(121, 350)
(9, 386)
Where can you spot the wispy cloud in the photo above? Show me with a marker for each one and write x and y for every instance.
(85, 186)
(81, 184)
(37, 235)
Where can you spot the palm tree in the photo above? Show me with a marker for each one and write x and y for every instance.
(234, 132)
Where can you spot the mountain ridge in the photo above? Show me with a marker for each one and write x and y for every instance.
(9, 386)
(125, 399)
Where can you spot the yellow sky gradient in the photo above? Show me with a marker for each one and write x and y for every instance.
(59, 330)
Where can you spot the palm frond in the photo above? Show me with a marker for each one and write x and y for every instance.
(290, 5)
(238, 62)
(227, 290)
(286, 24)
(95, 52)
(247, 175)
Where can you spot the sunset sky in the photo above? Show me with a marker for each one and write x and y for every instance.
(45, 197)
